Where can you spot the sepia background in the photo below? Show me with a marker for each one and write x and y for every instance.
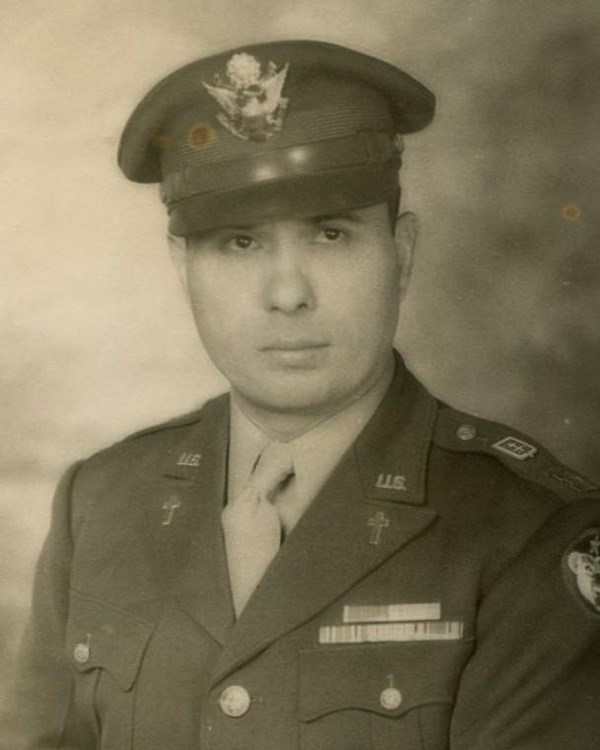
(95, 338)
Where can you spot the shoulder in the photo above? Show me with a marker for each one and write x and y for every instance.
(511, 452)
(503, 493)
(143, 453)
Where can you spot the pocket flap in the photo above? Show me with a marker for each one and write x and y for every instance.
(100, 635)
(388, 679)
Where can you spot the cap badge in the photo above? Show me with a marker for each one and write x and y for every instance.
(583, 562)
(252, 104)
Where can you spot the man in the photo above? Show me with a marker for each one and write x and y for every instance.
(326, 558)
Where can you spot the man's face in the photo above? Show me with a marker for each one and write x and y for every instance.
(300, 314)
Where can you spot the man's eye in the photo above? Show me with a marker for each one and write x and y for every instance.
(239, 242)
(332, 234)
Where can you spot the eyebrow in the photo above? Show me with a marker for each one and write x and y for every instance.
(350, 216)
(342, 215)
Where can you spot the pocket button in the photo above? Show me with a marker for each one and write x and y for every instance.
(81, 653)
(390, 698)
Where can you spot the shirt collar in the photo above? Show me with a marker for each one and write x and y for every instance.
(315, 453)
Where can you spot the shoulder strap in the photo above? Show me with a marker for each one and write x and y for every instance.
(463, 433)
(181, 421)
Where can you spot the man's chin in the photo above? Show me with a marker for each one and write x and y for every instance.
(294, 392)
(290, 361)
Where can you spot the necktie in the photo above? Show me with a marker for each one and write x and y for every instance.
(251, 524)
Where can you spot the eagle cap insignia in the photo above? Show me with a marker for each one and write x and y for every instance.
(251, 101)
(583, 563)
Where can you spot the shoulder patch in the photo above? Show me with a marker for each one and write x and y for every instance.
(463, 433)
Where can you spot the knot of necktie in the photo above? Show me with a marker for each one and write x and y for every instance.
(251, 524)
(272, 469)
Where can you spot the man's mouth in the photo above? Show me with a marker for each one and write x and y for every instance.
(302, 354)
(294, 345)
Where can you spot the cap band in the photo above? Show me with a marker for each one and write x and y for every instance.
(361, 150)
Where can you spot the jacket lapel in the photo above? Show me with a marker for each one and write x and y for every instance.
(187, 538)
(371, 506)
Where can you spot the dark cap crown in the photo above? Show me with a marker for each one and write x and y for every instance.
(283, 128)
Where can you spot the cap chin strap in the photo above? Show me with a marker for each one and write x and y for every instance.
(394, 208)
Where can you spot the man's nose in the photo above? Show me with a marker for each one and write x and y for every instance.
(287, 287)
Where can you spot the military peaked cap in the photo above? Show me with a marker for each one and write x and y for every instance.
(294, 128)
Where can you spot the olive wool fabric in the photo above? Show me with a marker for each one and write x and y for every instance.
(424, 601)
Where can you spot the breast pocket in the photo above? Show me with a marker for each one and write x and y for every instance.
(383, 696)
(105, 645)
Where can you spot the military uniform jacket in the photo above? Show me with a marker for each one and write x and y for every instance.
(424, 601)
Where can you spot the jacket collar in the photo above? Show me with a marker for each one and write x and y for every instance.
(392, 450)
(189, 549)
(379, 483)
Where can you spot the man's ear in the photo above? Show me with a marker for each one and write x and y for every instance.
(405, 239)
(178, 253)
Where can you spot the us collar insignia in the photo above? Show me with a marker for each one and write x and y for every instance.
(583, 562)
(252, 104)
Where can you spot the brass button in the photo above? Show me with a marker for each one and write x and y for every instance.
(466, 432)
(390, 698)
(81, 653)
(234, 701)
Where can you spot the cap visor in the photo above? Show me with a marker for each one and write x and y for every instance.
(314, 195)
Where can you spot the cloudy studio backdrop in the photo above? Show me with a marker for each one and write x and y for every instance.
(503, 317)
